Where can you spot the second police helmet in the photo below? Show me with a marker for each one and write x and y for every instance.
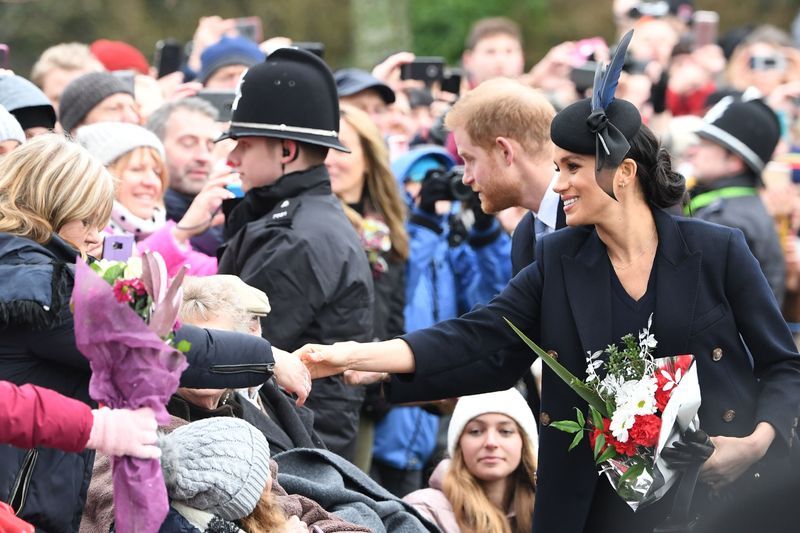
(292, 95)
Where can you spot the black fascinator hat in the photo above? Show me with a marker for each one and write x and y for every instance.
(601, 125)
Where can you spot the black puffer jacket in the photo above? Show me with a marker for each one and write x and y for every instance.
(293, 241)
(37, 345)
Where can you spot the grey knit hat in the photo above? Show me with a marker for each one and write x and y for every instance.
(108, 141)
(219, 465)
(10, 130)
(84, 93)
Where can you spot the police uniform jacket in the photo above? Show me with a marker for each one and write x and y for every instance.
(292, 240)
(711, 301)
(748, 213)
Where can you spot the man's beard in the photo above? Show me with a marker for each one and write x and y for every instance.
(500, 193)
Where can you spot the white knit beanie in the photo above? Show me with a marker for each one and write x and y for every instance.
(219, 465)
(108, 141)
(508, 402)
(10, 130)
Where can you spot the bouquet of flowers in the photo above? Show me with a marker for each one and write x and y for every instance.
(637, 407)
(125, 319)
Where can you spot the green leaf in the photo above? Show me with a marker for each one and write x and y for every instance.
(114, 272)
(597, 418)
(599, 444)
(576, 440)
(610, 453)
(632, 473)
(184, 346)
(581, 419)
(580, 388)
(567, 426)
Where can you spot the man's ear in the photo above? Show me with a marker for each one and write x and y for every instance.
(506, 148)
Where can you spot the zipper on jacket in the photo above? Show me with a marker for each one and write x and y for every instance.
(19, 492)
(240, 369)
(435, 283)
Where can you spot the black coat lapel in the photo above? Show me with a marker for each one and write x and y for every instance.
(587, 278)
(676, 288)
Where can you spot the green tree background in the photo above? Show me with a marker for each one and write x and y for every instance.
(355, 32)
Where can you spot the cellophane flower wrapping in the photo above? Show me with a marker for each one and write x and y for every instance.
(638, 405)
(132, 367)
(678, 415)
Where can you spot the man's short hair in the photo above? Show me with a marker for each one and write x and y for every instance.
(502, 107)
(65, 56)
(157, 122)
(489, 27)
(314, 154)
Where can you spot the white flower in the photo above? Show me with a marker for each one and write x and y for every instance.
(621, 421)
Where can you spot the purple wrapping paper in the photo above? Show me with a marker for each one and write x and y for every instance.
(131, 367)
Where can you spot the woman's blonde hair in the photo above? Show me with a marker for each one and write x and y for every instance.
(267, 516)
(118, 166)
(473, 509)
(48, 182)
(381, 193)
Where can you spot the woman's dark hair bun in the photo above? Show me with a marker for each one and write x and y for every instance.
(662, 186)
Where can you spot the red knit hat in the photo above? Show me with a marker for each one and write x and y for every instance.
(117, 55)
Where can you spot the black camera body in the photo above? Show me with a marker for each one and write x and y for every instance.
(427, 69)
(455, 189)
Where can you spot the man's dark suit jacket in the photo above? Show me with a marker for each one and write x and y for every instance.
(711, 301)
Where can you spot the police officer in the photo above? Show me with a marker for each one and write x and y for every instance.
(288, 235)
(737, 139)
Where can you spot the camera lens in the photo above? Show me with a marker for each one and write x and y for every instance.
(458, 189)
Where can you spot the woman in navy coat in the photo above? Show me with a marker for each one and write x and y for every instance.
(622, 259)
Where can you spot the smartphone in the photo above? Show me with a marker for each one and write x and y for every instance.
(250, 28)
(118, 247)
(221, 99)
(128, 77)
(168, 57)
(427, 69)
(771, 62)
(704, 27)
(318, 49)
(583, 77)
(236, 189)
(451, 81)
(5, 52)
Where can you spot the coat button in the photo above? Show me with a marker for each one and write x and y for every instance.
(544, 418)
(729, 415)
(553, 354)
(716, 354)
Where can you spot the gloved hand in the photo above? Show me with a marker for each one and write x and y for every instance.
(482, 220)
(125, 432)
(432, 191)
(694, 449)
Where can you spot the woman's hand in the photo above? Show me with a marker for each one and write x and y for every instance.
(203, 212)
(326, 360)
(734, 455)
(118, 432)
(291, 374)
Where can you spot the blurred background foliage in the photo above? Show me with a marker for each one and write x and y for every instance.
(355, 32)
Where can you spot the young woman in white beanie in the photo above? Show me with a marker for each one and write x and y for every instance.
(136, 157)
(488, 484)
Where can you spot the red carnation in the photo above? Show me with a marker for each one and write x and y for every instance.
(645, 430)
(662, 396)
(624, 448)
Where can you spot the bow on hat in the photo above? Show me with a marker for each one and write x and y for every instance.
(610, 144)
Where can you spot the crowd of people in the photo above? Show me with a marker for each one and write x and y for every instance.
(354, 240)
